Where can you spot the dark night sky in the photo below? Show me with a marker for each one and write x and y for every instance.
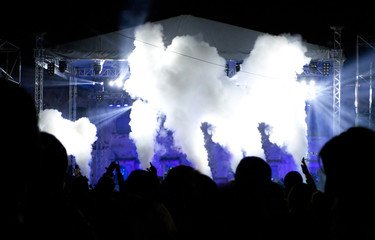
(69, 20)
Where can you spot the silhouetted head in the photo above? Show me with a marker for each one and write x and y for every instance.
(141, 182)
(80, 186)
(349, 160)
(105, 187)
(253, 172)
(180, 178)
(54, 161)
(291, 179)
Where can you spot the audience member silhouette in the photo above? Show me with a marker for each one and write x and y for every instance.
(152, 220)
(189, 197)
(19, 156)
(253, 203)
(349, 161)
(48, 210)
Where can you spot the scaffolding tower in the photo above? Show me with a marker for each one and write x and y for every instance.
(39, 65)
(10, 60)
(337, 58)
(367, 77)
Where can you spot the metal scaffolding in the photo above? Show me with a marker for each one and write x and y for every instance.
(10, 56)
(367, 78)
(337, 58)
(73, 92)
(39, 64)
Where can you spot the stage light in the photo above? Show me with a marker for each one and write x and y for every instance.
(62, 66)
(116, 83)
(51, 68)
(313, 66)
(110, 104)
(238, 67)
(97, 68)
(119, 83)
(326, 68)
(99, 98)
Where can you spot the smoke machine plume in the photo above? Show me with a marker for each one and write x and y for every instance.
(77, 137)
(186, 82)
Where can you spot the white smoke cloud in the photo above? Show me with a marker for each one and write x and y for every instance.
(280, 98)
(144, 125)
(77, 137)
(186, 82)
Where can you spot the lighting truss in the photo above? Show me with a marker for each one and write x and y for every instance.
(337, 58)
(89, 72)
(10, 62)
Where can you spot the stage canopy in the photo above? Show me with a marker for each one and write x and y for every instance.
(232, 42)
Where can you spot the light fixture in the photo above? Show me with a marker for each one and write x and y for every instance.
(62, 66)
(97, 68)
(51, 68)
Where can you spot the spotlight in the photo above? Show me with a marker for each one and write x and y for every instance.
(313, 66)
(326, 68)
(111, 104)
(51, 68)
(97, 68)
(62, 66)
(118, 104)
(119, 83)
(238, 67)
(99, 98)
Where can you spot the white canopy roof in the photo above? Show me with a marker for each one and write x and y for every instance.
(232, 42)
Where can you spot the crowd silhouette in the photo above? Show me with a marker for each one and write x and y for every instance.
(39, 202)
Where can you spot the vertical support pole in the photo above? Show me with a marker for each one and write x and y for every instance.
(39, 78)
(356, 84)
(19, 68)
(370, 99)
(72, 98)
(337, 66)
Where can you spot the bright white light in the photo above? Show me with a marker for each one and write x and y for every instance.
(119, 83)
(190, 92)
(312, 93)
(111, 83)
